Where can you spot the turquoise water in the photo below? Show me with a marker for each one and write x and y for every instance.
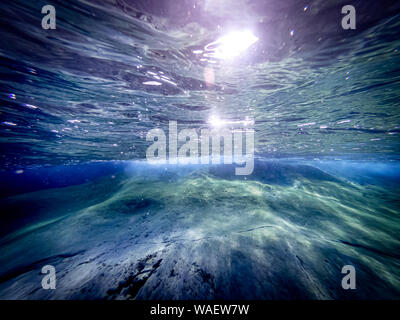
(77, 102)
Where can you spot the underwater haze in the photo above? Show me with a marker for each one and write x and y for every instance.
(78, 193)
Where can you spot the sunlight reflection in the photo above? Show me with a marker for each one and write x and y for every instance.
(230, 45)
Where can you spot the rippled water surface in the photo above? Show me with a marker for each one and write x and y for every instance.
(77, 102)
(113, 70)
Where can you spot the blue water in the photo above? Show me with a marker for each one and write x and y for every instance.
(77, 192)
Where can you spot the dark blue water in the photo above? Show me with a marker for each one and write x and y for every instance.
(77, 192)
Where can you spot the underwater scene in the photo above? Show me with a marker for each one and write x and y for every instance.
(199, 150)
